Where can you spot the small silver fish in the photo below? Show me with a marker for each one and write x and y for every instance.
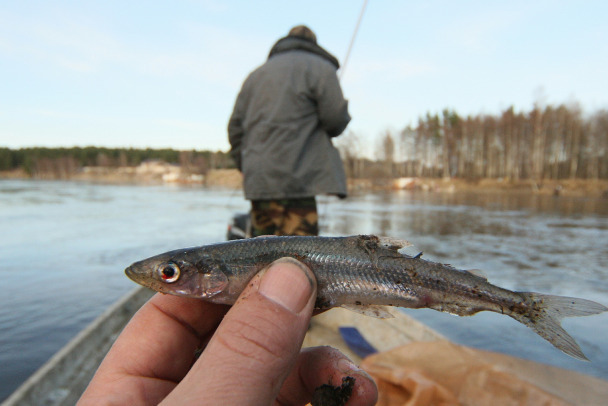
(361, 273)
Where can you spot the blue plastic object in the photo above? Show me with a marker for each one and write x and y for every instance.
(356, 342)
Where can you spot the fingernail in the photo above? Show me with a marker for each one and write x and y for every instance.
(286, 284)
(346, 366)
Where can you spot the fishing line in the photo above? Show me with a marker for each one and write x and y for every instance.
(352, 40)
(322, 208)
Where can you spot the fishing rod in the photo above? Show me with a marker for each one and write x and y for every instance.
(352, 40)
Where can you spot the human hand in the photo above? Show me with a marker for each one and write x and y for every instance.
(251, 351)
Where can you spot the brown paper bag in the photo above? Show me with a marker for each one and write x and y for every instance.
(443, 373)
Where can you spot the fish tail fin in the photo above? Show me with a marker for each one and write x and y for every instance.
(547, 313)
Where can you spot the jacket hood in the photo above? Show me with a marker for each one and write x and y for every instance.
(291, 43)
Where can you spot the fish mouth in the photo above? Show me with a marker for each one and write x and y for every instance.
(133, 273)
(140, 274)
(130, 272)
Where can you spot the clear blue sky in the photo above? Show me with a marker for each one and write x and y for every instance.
(165, 74)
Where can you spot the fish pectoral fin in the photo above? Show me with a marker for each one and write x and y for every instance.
(379, 312)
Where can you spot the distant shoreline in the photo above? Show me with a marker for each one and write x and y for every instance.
(232, 179)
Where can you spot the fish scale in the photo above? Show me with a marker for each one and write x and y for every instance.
(361, 273)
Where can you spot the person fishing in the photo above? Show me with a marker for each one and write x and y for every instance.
(280, 132)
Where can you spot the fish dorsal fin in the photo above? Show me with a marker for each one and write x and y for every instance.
(393, 244)
(478, 273)
(379, 312)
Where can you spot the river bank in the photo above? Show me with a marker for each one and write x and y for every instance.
(154, 173)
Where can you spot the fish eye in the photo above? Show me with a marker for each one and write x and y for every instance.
(169, 272)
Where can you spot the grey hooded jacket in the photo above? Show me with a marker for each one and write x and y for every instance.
(283, 120)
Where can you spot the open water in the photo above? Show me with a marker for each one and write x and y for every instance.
(64, 246)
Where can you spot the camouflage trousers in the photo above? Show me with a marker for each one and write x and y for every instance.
(284, 217)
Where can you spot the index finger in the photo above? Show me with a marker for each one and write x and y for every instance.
(159, 342)
(163, 336)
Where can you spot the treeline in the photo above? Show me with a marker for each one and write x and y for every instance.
(544, 143)
(61, 162)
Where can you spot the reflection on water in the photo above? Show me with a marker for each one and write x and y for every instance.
(64, 247)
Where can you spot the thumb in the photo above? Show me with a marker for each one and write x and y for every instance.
(257, 344)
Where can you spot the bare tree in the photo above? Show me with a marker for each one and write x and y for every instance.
(350, 148)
